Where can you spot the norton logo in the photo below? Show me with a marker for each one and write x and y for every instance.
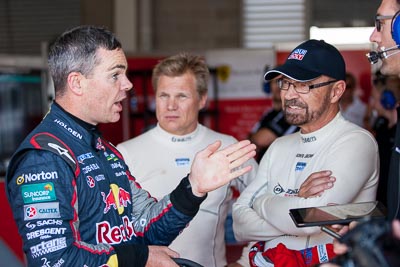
(34, 177)
(117, 197)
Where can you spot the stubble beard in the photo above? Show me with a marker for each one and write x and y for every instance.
(307, 117)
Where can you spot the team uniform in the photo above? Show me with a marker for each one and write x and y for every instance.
(262, 211)
(158, 157)
(76, 204)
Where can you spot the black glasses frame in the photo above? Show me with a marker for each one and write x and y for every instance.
(279, 82)
(379, 18)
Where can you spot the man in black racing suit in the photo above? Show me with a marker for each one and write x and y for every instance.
(74, 200)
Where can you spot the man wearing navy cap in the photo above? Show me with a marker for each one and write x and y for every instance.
(329, 161)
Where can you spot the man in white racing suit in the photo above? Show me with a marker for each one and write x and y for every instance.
(180, 84)
(329, 161)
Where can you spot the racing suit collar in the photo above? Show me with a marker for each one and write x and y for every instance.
(89, 127)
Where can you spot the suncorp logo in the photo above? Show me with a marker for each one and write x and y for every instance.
(34, 177)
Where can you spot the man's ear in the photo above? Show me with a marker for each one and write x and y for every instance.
(74, 82)
(203, 101)
(337, 91)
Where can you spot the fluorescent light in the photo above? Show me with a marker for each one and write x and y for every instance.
(346, 35)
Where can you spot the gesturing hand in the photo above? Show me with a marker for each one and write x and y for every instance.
(212, 169)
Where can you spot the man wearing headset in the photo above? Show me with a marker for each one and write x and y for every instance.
(387, 36)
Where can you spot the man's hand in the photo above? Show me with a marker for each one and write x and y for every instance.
(212, 169)
(161, 256)
(316, 184)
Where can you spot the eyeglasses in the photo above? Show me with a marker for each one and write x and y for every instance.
(300, 88)
(378, 21)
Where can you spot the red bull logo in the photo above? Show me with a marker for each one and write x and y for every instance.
(117, 198)
(114, 234)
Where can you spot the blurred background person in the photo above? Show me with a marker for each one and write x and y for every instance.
(383, 104)
(351, 106)
(272, 124)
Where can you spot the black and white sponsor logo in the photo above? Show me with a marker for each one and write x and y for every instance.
(46, 247)
(309, 139)
(35, 177)
(116, 165)
(81, 158)
(47, 263)
(68, 128)
(176, 139)
(49, 222)
(90, 168)
(61, 150)
(45, 233)
(120, 173)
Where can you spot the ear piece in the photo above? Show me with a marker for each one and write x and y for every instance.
(396, 28)
(388, 99)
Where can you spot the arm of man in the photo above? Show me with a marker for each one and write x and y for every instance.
(352, 178)
(55, 216)
(247, 224)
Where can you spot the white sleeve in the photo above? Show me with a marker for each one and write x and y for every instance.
(247, 224)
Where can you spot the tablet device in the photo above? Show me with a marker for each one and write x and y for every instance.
(337, 214)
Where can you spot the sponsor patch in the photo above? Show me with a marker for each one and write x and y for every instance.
(45, 233)
(90, 168)
(181, 139)
(90, 181)
(47, 247)
(36, 177)
(322, 253)
(42, 192)
(84, 156)
(69, 129)
(41, 211)
(117, 198)
(298, 54)
(182, 161)
(46, 262)
(105, 233)
(32, 225)
(300, 166)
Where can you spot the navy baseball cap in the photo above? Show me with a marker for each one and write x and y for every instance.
(309, 60)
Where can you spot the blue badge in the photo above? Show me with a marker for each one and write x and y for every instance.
(300, 166)
(182, 161)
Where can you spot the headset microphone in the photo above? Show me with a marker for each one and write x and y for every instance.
(374, 56)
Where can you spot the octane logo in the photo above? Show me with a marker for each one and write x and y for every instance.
(117, 197)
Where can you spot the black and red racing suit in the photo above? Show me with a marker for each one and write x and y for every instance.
(76, 203)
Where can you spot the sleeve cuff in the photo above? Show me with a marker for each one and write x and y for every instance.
(132, 255)
(183, 199)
